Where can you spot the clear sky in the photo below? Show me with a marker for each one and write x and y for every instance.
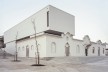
(91, 16)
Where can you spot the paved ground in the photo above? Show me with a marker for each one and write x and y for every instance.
(61, 64)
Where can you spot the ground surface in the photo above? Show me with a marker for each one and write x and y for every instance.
(61, 64)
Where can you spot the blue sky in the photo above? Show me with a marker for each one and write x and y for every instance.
(91, 16)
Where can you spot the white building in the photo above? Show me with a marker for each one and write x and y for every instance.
(54, 33)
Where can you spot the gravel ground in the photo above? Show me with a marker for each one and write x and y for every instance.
(61, 64)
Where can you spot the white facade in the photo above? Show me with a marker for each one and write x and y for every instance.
(55, 30)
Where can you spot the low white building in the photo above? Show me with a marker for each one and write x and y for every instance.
(54, 34)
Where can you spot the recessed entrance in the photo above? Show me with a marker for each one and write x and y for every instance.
(67, 49)
(98, 51)
(86, 52)
(27, 51)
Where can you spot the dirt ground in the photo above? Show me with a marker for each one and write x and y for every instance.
(60, 64)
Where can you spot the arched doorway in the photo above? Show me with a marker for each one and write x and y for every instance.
(86, 52)
(27, 51)
(67, 49)
(98, 51)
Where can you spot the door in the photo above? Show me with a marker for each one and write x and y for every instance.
(67, 49)
(86, 52)
(98, 51)
(27, 51)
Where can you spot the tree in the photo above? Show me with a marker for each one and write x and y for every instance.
(37, 57)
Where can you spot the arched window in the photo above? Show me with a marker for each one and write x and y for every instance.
(53, 47)
(32, 47)
(78, 49)
(93, 51)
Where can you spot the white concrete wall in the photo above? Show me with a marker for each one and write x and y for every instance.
(61, 21)
(25, 28)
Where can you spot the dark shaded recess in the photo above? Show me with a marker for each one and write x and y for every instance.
(23, 38)
(53, 32)
(48, 19)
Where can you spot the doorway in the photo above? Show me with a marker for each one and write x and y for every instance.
(86, 52)
(27, 51)
(98, 51)
(67, 49)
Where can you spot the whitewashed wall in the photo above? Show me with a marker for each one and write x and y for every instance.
(45, 46)
(96, 46)
(31, 42)
(60, 46)
(78, 51)
(59, 51)
(21, 47)
(74, 43)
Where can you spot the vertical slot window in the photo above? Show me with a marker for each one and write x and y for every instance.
(47, 18)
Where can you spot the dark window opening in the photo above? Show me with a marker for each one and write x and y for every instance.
(47, 18)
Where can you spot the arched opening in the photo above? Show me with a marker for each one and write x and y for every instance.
(86, 52)
(93, 51)
(86, 49)
(27, 51)
(67, 49)
(98, 51)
